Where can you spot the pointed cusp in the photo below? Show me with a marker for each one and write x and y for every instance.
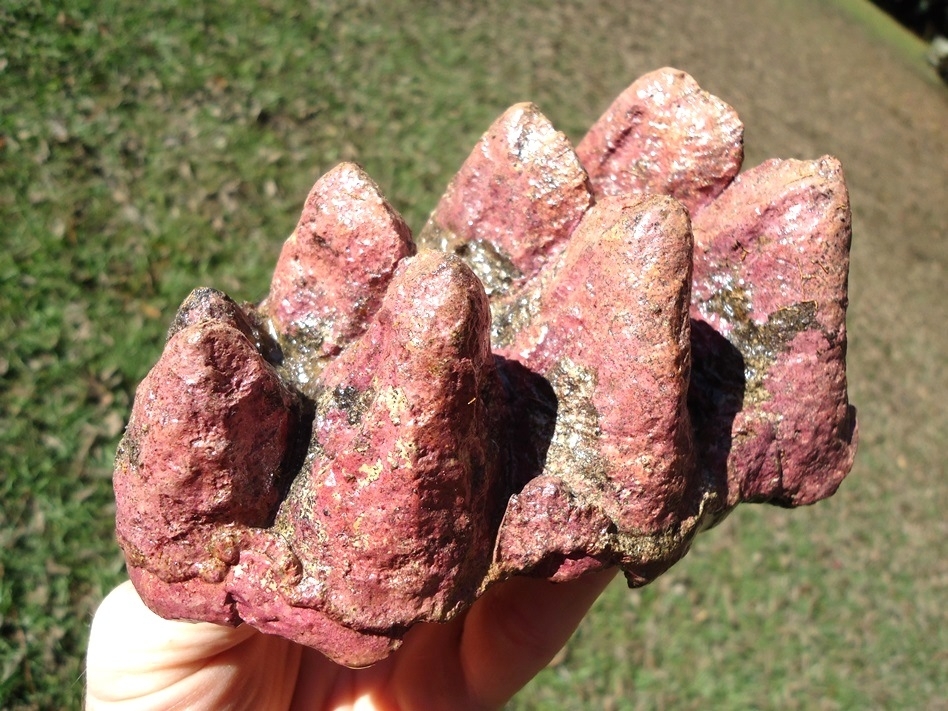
(208, 445)
(334, 269)
(664, 135)
(612, 338)
(514, 202)
(392, 512)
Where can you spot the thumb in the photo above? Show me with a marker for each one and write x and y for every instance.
(137, 659)
(518, 626)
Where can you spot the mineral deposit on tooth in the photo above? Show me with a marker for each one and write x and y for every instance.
(595, 355)
(514, 203)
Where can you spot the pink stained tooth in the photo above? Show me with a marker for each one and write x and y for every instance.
(586, 371)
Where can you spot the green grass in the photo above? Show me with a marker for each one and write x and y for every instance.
(149, 148)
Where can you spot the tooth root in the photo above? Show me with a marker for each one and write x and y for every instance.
(612, 338)
(393, 506)
(549, 532)
(664, 135)
(771, 265)
(333, 270)
(263, 601)
(514, 202)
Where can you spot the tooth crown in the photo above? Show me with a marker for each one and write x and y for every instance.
(595, 355)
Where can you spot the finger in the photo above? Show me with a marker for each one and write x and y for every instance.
(516, 629)
(136, 659)
(426, 671)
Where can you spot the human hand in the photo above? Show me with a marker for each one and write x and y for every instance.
(137, 660)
